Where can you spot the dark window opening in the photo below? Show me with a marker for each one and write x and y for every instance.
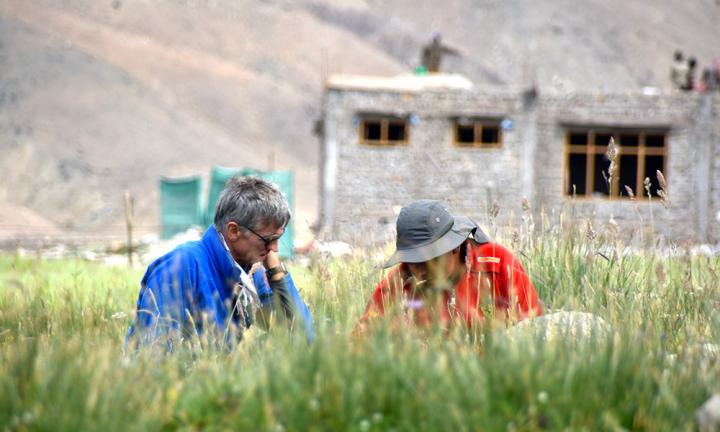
(466, 134)
(602, 139)
(490, 135)
(640, 155)
(477, 133)
(578, 138)
(372, 130)
(653, 164)
(628, 174)
(629, 140)
(383, 131)
(396, 131)
(655, 141)
(600, 184)
(577, 165)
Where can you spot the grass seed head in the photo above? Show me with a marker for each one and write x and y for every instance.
(494, 210)
(630, 192)
(525, 205)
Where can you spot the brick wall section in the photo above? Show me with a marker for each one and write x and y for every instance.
(371, 183)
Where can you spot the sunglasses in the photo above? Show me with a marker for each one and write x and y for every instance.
(266, 240)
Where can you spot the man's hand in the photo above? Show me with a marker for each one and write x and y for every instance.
(281, 296)
(273, 260)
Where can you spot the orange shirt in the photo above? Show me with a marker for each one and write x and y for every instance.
(492, 275)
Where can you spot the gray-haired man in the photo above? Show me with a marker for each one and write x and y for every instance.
(206, 284)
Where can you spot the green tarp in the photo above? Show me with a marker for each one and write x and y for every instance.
(180, 204)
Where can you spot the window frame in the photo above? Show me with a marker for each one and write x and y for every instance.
(590, 150)
(385, 121)
(478, 123)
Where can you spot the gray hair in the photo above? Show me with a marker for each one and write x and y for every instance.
(251, 202)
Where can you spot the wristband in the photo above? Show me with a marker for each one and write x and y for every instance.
(275, 270)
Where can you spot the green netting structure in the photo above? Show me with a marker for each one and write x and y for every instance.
(180, 204)
(283, 179)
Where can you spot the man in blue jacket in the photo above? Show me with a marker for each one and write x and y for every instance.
(204, 288)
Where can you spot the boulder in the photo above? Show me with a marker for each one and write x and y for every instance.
(708, 415)
(577, 326)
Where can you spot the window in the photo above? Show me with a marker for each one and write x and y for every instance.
(640, 154)
(383, 130)
(478, 133)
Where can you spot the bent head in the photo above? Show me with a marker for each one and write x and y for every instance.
(251, 215)
(429, 242)
(440, 272)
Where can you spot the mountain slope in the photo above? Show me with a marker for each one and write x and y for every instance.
(101, 96)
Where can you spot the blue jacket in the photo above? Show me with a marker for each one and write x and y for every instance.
(191, 288)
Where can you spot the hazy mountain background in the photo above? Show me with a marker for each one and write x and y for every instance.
(100, 96)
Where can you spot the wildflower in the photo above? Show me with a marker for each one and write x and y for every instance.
(28, 417)
(313, 404)
(364, 425)
(542, 397)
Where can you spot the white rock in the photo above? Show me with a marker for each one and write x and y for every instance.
(160, 248)
(564, 324)
(708, 415)
(335, 248)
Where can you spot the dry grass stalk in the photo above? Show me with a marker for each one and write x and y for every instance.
(494, 210)
(611, 154)
(662, 193)
(525, 205)
(630, 192)
(590, 232)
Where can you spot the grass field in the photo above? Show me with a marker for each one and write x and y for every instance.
(62, 325)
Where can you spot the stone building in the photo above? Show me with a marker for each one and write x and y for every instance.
(389, 141)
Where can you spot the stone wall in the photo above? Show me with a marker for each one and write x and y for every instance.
(714, 180)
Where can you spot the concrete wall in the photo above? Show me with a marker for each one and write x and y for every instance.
(364, 186)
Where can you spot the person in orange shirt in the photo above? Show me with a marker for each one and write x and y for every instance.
(447, 270)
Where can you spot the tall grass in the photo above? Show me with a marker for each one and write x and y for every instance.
(62, 325)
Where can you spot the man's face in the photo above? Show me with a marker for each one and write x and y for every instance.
(249, 246)
(438, 272)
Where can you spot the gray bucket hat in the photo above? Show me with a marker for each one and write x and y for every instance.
(426, 230)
